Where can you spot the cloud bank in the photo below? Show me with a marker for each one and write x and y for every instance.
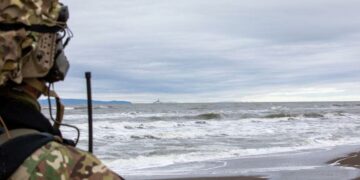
(211, 51)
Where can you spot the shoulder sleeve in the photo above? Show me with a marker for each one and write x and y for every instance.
(56, 161)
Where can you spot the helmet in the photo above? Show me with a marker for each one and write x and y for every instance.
(31, 40)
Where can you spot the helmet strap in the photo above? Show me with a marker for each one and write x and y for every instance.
(60, 108)
(36, 87)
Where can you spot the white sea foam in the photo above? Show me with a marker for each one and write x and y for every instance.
(137, 164)
(137, 138)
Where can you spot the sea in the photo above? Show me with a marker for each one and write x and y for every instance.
(132, 137)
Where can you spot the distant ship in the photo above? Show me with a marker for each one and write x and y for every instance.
(157, 101)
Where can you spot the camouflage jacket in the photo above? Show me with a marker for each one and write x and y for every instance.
(59, 162)
(39, 156)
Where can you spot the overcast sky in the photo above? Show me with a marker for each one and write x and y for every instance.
(215, 50)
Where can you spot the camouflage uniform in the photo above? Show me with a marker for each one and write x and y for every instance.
(18, 47)
(30, 12)
(56, 161)
(18, 63)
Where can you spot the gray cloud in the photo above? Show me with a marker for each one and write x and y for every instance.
(210, 50)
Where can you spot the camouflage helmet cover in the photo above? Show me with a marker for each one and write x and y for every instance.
(22, 54)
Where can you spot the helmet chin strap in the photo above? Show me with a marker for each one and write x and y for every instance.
(60, 108)
(36, 87)
(40, 87)
(59, 112)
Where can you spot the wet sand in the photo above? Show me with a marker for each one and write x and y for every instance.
(222, 178)
(313, 164)
(350, 160)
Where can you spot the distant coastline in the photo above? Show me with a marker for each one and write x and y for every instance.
(77, 102)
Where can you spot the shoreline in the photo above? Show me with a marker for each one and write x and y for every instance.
(339, 162)
(349, 160)
(221, 178)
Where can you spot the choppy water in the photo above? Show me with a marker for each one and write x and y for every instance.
(131, 137)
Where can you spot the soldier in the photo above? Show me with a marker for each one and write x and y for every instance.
(32, 38)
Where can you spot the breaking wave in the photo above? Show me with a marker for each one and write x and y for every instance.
(313, 115)
(143, 137)
(208, 116)
(289, 115)
(279, 115)
(204, 116)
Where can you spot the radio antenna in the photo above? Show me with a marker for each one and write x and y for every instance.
(90, 118)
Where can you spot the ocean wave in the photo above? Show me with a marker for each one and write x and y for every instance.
(208, 116)
(313, 115)
(94, 107)
(104, 107)
(291, 116)
(200, 122)
(346, 105)
(141, 126)
(157, 158)
(144, 137)
(279, 108)
(47, 107)
(203, 116)
(342, 105)
(280, 115)
(80, 107)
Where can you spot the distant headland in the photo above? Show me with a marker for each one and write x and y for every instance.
(77, 102)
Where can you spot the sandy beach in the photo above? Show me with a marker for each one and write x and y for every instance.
(318, 164)
(350, 160)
